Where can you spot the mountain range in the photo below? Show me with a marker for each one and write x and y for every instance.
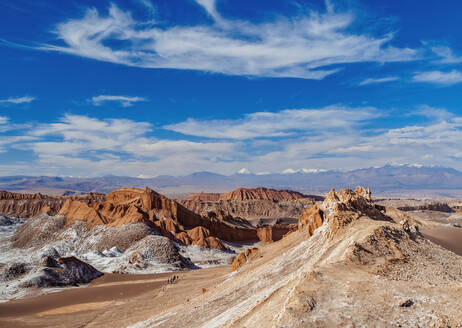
(389, 180)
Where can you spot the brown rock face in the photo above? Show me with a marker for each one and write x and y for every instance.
(262, 193)
(204, 196)
(244, 257)
(342, 208)
(131, 205)
(247, 194)
(440, 207)
(29, 205)
(311, 220)
(122, 206)
(236, 210)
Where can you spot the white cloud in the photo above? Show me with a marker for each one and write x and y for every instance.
(379, 80)
(433, 113)
(84, 146)
(313, 170)
(82, 135)
(3, 119)
(210, 7)
(291, 171)
(81, 145)
(243, 171)
(446, 54)
(303, 170)
(123, 100)
(17, 100)
(439, 77)
(279, 124)
(149, 6)
(301, 47)
(263, 173)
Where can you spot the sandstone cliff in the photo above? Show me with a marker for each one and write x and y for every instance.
(440, 207)
(249, 209)
(204, 196)
(248, 194)
(137, 206)
(29, 205)
(131, 205)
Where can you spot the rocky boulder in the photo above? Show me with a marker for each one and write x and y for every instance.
(156, 249)
(244, 257)
(311, 220)
(63, 271)
(14, 271)
(200, 236)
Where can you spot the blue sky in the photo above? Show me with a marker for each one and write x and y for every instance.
(150, 87)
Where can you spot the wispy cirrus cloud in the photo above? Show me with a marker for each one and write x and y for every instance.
(447, 55)
(379, 80)
(279, 124)
(125, 101)
(305, 46)
(149, 6)
(17, 100)
(438, 77)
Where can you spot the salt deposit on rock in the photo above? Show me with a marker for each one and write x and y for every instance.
(39, 242)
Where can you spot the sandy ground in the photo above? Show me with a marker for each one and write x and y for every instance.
(439, 230)
(448, 237)
(113, 300)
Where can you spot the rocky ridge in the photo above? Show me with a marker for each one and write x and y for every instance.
(249, 209)
(440, 207)
(28, 205)
(351, 263)
(131, 205)
(260, 193)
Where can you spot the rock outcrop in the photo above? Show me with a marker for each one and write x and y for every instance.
(439, 207)
(157, 249)
(63, 271)
(343, 207)
(244, 257)
(248, 194)
(29, 205)
(204, 196)
(51, 270)
(311, 219)
(200, 236)
(127, 207)
(352, 263)
(262, 194)
(232, 210)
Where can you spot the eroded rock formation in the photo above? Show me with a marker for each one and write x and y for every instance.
(125, 208)
(440, 207)
(248, 194)
(235, 210)
(244, 257)
(352, 263)
(29, 205)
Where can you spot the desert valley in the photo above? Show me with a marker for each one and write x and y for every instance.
(244, 258)
(230, 164)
